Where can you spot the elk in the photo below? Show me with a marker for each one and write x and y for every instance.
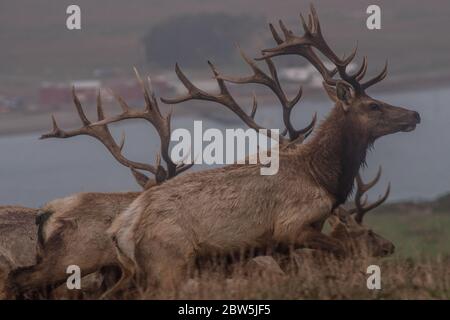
(347, 224)
(17, 239)
(232, 208)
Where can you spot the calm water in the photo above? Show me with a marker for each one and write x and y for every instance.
(33, 172)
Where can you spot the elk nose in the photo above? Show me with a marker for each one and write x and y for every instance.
(416, 115)
(388, 249)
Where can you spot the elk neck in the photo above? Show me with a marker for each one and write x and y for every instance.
(336, 153)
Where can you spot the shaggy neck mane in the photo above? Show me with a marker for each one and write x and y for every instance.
(336, 153)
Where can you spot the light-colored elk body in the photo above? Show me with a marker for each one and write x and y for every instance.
(17, 239)
(232, 208)
(17, 236)
(72, 231)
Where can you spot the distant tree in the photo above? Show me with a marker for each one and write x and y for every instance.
(192, 39)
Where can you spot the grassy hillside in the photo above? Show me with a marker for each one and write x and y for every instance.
(414, 235)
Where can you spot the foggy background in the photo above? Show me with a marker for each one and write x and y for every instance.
(40, 60)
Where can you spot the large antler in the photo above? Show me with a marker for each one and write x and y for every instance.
(361, 205)
(313, 39)
(273, 82)
(225, 98)
(100, 131)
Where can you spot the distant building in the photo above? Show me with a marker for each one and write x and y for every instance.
(59, 95)
(53, 95)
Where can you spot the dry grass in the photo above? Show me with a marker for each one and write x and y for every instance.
(425, 278)
(329, 279)
(420, 269)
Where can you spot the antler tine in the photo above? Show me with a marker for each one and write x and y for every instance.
(254, 106)
(182, 166)
(306, 131)
(361, 207)
(315, 19)
(362, 70)
(100, 131)
(287, 33)
(100, 111)
(258, 75)
(377, 78)
(224, 98)
(306, 27)
(122, 141)
(56, 131)
(193, 91)
(150, 101)
(140, 178)
(375, 204)
(364, 187)
(79, 108)
(275, 35)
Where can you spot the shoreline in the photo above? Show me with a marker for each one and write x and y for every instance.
(24, 123)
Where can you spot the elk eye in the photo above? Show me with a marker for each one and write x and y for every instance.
(375, 107)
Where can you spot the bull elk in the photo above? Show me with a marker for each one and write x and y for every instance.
(231, 208)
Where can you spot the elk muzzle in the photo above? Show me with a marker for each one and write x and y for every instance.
(408, 120)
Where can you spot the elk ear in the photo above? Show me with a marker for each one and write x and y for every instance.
(345, 94)
(337, 224)
(338, 227)
(331, 91)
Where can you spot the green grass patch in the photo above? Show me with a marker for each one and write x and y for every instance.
(414, 235)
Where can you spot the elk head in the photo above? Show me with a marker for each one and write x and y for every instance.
(372, 117)
(347, 224)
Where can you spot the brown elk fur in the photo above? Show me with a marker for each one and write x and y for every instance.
(356, 238)
(336, 153)
(17, 239)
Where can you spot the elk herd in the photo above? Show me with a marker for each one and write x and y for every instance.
(154, 238)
